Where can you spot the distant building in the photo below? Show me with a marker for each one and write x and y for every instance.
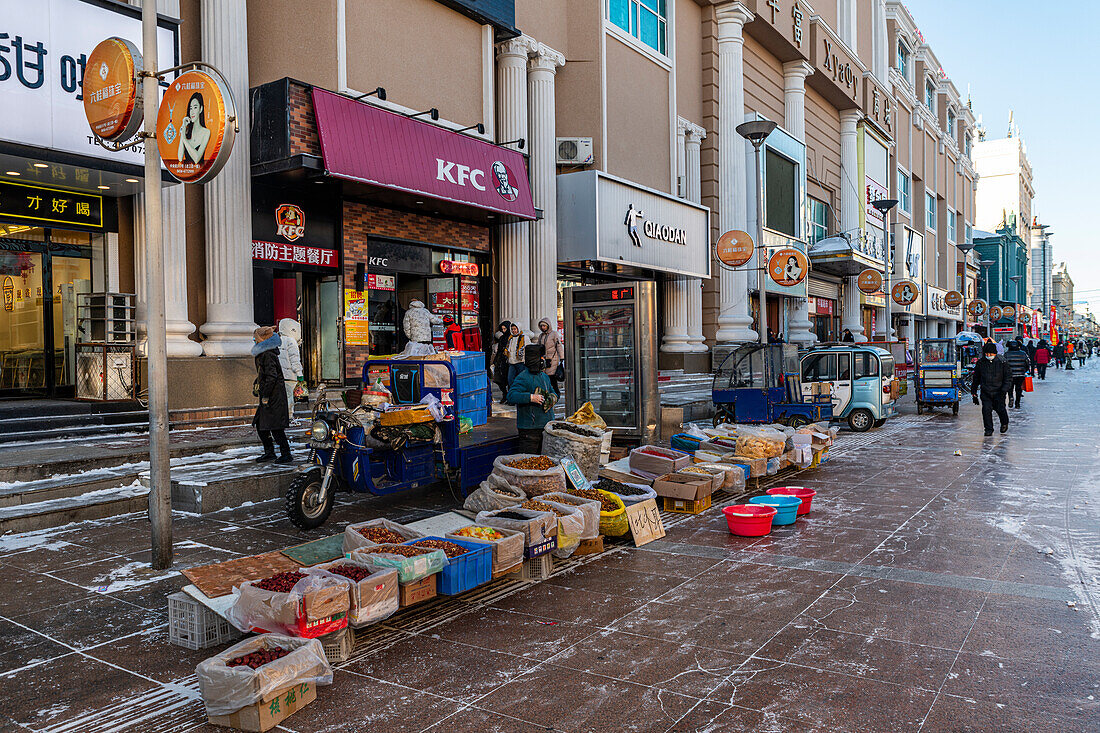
(1062, 293)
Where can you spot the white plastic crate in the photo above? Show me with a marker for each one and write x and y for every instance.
(337, 645)
(194, 626)
(537, 568)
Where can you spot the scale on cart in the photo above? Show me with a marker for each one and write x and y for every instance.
(611, 355)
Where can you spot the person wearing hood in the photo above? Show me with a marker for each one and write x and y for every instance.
(290, 359)
(1021, 366)
(993, 377)
(1042, 358)
(553, 350)
(418, 322)
(452, 335)
(499, 358)
(534, 396)
(272, 418)
(514, 351)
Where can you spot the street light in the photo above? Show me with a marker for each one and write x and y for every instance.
(985, 265)
(884, 206)
(1016, 295)
(756, 132)
(965, 248)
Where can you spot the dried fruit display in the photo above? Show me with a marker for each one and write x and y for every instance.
(481, 533)
(381, 535)
(403, 550)
(534, 463)
(538, 506)
(280, 582)
(606, 504)
(255, 660)
(507, 491)
(693, 469)
(650, 450)
(511, 515)
(354, 572)
(577, 429)
(449, 548)
(618, 488)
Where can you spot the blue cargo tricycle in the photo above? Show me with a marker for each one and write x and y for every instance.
(760, 383)
(938, 376)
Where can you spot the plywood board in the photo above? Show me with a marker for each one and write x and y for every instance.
(220, 578)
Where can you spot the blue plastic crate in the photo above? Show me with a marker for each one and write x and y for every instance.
(472, 400)
(412, 463)
(466, 571)
(472, 382)
(468, 362)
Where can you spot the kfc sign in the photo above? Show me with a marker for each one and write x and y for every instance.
(462, 175)
(290, 222)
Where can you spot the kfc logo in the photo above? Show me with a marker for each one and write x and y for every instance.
(291, 222)
(463, 175)
(504, 187)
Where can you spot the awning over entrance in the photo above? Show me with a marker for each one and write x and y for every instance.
(839, 255)
(417, 160)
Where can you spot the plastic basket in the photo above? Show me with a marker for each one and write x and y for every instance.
(475, 400)
(194, 626)
(467, 362)
(337, 645)
(537, 568)
(542, 548)
(466, 571)
(472, 382)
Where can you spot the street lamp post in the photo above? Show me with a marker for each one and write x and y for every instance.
(1016, 294)
(985, 265)
(884, 206)
(965, 248)
(756, 132)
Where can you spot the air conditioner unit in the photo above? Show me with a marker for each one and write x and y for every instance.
(574, 151)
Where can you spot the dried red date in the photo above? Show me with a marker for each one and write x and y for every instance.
(257, 659)
(354, 572)
(280, 582)
(449, 548)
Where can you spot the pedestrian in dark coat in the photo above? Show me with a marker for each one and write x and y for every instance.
(500, 358)
(272, 418)
(1042, 358)
(1021, 366)
(847, 337)
(993, 377)
(1059, 354)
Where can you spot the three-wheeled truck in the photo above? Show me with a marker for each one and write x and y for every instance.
(761, 383)
(937, 379)
(381, 451)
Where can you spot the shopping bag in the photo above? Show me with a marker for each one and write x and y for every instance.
(1028, 386)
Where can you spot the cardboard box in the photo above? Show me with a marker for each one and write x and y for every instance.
(418, 592)
(667, 462)
(272, 710)
(325, 602)
(690, 486)
(716, 479)
(620, 471)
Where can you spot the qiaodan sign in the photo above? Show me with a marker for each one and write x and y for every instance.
(196, 126)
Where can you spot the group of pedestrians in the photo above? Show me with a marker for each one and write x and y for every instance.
(509, 357)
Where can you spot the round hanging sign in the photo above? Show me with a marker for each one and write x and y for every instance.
(869, 281)
(734, 248)
(1008, 311)
(953, 299)
(976, 308)
(788, 267)
(195, 128)
(112, 90)
(905, 292)
(995, 313)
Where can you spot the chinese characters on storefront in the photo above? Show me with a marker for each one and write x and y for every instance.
(293, 253)
(38, 203)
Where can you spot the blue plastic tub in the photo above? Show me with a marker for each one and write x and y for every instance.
(478, 400)
(466, 571)
(786, 507)
(467, 362)
(472, 382)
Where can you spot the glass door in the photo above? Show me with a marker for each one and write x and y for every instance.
(603, 341)
(71, 277)
(330, 301)
(22, 323)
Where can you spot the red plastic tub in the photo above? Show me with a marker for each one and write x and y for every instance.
(749, 520)
(806, 495)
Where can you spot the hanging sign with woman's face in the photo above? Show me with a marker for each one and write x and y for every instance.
(905, 292)
(788, 267)
(194, 131)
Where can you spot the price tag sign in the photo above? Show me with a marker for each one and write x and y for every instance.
(645, 522)
(574, 474)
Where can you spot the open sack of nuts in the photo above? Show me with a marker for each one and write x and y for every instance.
(571, 523)
(291, 603)
(589, 509)
(531, 474)
(563, 439)
(412, 563)
(493, 493)
(377, 532)
(536, 526)
(374, 593)
(250, 671)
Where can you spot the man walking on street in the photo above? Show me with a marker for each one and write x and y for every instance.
(994, 376)
(1021, 366)
(1069, 356)
(1042, 358)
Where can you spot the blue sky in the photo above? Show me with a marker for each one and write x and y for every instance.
(1035, 60)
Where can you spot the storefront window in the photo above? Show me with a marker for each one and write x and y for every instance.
(819, 220)
(604, 348)
(22, 324)
(646, 20)
(780, 193)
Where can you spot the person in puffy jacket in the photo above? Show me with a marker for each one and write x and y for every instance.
(271, 419)
(517, 340)
(1021, 366)
(452, 335)
(529, 392)
(1042, 358)
(993, 377)
(500, 358)
(418, 322)
(552, 349)
(290, 359)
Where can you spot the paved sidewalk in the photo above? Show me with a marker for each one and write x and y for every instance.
(918, 596)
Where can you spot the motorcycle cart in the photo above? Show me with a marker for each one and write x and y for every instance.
(383, 451)
(938, 374)
(761, 383)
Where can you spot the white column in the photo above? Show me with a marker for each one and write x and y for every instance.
(794, 119)
(849, 214)
(542, 67)
(515, 238)
(693, 191)
(674, 290)
(228, 198)
(734, 319)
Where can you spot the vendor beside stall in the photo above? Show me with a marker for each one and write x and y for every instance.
(534, 396)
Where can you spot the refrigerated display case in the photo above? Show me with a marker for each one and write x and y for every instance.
(611, 354)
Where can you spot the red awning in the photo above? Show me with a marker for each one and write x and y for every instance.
(362, 142)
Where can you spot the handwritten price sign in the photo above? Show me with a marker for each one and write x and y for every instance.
(645, 522)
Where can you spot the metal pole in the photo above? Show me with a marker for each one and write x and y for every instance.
(160, 493)
(889, 269)
(763, 251)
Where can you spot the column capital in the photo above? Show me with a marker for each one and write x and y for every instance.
(797, 70)
(544, 58)
(519, 47)
(850, 118)
(732, 18)
(691, 131)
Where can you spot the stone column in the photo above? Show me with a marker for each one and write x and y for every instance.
(693, 191)
(515, 238)
(174, 238)
(849, 215)
(734, 315)
(228, 198)
(794, 119)
(542, 68)
(674, 290)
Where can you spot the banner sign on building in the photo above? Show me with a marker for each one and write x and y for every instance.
(356, 318)
(52, 205)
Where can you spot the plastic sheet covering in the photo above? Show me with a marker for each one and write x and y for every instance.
(225, 690)
(734, 475)
(558, 442)
(353, 540)
(586, 415)
(536, 527)
(760, 442)
(532, 483)
(488, 496)
(507, 551)
(373, 598)
(409, 569)
(590, 509)
(312, 598)
(570, 527)
(437, 376)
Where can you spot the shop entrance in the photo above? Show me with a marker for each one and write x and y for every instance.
(314, 301)
(459, 297)
(38, 333)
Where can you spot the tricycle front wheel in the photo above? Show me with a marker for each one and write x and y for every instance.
(305, 506)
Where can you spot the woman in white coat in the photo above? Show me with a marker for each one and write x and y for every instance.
(290, 359)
